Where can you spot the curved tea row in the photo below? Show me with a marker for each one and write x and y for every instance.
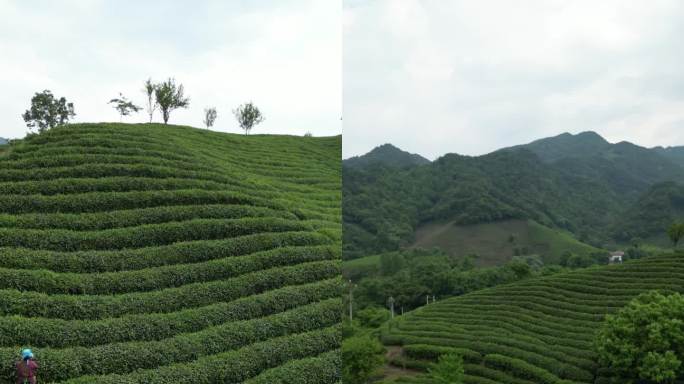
(156, 254)
(539, 330)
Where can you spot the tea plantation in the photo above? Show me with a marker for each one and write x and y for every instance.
(164, 254)
(539, 330)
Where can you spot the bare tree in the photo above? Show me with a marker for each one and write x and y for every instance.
(149, 91)
(209, 117)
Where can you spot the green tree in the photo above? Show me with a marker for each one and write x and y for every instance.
(391, 263)
(645, 339)
(675, 232)
(46, 112)
(124, 106)
(248, 115)
(209, 117)
(170, 96)
(448, 370)
(149, 92)
(361, 357)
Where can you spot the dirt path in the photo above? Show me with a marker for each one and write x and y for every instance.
(390, 371)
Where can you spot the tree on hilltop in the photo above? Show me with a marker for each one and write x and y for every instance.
(151, 103)
(124, 106)
(248, 115)
(209, 117)
(169, 97)
(46, 112)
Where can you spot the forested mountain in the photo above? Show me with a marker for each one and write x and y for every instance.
(580, 183)
(389, 155)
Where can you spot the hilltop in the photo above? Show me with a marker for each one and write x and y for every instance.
(579, 184)
(388, 155)
(146, 253)
(538, 330)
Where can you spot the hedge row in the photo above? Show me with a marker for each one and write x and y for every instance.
(148, 257)
(147, 235)
(135, 217)
(130, 356)
(432, 352)
(39, 152)
(67, 160)
(57, 333)
(110, 201)
(520, 368)
(231, 367)
(321, 369)
(161, 277)
(92, 307)
(539, 355)
(109, 184)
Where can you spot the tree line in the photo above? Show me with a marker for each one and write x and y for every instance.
(47, 111)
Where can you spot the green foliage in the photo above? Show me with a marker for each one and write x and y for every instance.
(46, 112)
(169, 96)
(361, 357)
(646, 338)
(448, 370)
(504, 333)
(675, 232)
(599, 192)
(162, 254)
(124, 106)
(247, 116)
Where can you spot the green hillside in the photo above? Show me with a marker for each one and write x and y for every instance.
(497, 243)
(164, 254)
(538, 330)
(580, 184)
(386, 154)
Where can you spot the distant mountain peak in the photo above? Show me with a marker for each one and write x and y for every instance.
(566, 144)
(386, 154)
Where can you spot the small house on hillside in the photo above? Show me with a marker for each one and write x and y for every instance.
(615, 257)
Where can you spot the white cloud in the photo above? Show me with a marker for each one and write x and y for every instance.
(473, 76)
(285, 56)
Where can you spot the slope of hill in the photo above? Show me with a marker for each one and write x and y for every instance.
(578, 183)
(389, 155)
(652, 214)
(538, 330)
(497, 243)
(564, 145)
(165, 254)
(674, 154)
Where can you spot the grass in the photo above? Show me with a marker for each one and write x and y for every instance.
(144, 253)
(495, 243)
(538, 330)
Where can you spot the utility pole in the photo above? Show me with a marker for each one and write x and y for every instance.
(391, 303)
(427, 299)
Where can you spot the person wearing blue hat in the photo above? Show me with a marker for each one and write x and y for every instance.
(26, 368)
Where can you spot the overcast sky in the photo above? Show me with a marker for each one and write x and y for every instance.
(469, 77)
(285, 55)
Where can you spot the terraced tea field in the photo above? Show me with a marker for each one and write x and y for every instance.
(535, 331)
(164, 254)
